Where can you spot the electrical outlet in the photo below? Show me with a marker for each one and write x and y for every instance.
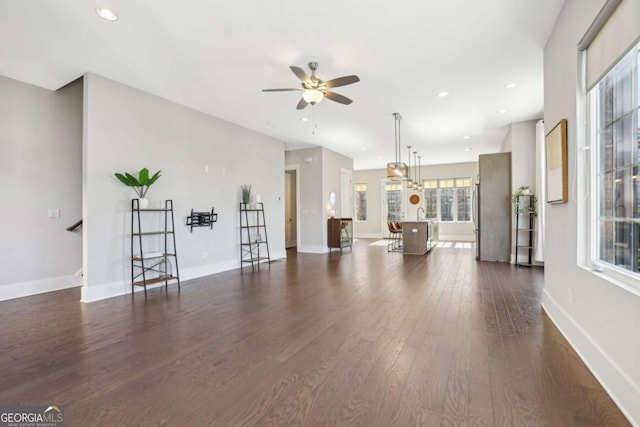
(54, 213)
(205, 255)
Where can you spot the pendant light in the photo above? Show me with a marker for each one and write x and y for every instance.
(397, 169)
(416, 183)
(420, 174)
(409, 181)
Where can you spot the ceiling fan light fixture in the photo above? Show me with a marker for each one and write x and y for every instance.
(312, 96)
(107, 14)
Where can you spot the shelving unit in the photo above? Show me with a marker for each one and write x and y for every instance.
(525, 210)
(148, 267)
(253, 236)
(339, 233)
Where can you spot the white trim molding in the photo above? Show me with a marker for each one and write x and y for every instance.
(368, 236)
(606, 371)
(34, 287)
(113, 289)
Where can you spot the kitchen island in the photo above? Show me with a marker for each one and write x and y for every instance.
(419, 237)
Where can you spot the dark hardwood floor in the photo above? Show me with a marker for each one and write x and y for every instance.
(366, 338)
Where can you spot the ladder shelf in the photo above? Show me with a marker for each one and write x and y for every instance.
(253, 236)
(161, 265)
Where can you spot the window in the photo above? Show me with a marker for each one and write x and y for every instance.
(393, 191)
(463, 202)
(448, 200)
(431, 199)
(361, 202)
(615, 129)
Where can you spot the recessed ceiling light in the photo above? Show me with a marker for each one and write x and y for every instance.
(466, 137)
(443, 94)
(379, 157)
(510, 85)
(363, 148)
(467, 149)
(107, 14)
(305, 119)
(502, 111)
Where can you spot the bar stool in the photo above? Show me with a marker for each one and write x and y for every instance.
(398, 226)
(395, 236)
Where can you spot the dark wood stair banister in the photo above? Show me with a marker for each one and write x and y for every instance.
(74, 226)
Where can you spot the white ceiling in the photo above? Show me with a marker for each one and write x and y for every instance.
(216, 56)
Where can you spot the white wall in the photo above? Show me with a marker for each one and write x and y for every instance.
(311, 212)
(598, 318)
(125, 130)
(317, 179)
(521, 142)
(374, 178)
(40, 168)
(332, 165)
(371, 227)
(523, 155)
(507, 141)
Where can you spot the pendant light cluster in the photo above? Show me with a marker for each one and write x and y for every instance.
(415, 183)
(397, 169)
(409, 180)
(416, 186)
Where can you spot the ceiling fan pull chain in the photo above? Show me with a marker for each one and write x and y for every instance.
(315, 123)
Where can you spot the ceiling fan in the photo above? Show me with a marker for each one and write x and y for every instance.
(314, 90)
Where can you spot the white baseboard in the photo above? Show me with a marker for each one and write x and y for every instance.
(113, 289)
(456, 238)
(33, 287)
(312, 249)
(368, 236)
(278, 254)
(624, 392)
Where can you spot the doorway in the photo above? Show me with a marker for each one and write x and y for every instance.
(346, 193)
(290, 208)
(393, 203)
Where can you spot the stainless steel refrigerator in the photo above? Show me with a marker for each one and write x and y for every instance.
(492, 208)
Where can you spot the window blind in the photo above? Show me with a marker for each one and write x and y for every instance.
(614, 31)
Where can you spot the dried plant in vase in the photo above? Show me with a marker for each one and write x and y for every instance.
(246, 194)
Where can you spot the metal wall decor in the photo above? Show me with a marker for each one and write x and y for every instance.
(201, 219)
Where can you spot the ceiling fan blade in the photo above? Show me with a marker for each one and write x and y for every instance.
(302, 104)
(280, 90)
(337, 98)
(299, 72)
(342, 81)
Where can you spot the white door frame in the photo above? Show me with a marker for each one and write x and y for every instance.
(383, 200)
(344, 213)
(296, 168)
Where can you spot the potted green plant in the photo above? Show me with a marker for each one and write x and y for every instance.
(246, 194)
(524, 190)
(140, 184)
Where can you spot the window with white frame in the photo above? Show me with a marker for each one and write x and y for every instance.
(393, 191)
(361, 202)
(448, 200)
(430, 199)
(615, 136)
(463, 199)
